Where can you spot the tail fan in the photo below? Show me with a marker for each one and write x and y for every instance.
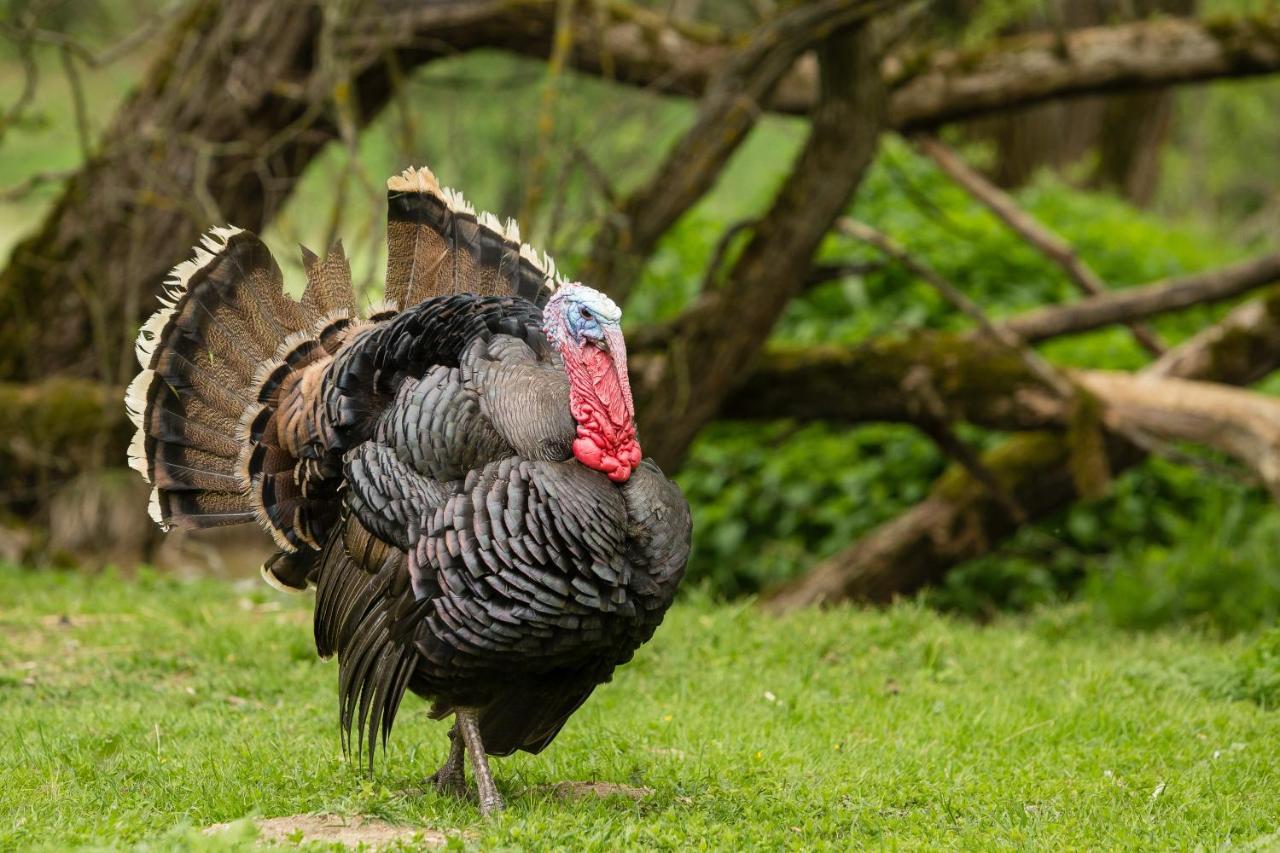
(229, 404)
(216, 359)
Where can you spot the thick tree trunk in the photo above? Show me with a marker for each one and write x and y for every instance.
(682, 387)
(240, 100)
(977, 380)
(52, 429)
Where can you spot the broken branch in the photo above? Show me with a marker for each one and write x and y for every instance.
(733, 102)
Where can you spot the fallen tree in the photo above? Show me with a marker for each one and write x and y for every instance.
(961, 519)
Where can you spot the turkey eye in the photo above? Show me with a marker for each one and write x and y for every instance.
(585, 312)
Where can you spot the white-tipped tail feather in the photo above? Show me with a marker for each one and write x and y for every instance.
(423, 180)
(138, 455)
(135, 398)
(272, 580)
(153, 510)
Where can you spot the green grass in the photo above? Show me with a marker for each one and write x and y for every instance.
(142, 711)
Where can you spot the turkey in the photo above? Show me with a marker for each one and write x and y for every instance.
(455, 470)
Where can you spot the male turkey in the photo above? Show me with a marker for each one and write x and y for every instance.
(457, 472)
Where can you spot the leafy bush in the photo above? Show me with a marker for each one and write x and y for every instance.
(1256, 675)
(1250, 672)
(1168, 544)
(1217, 566)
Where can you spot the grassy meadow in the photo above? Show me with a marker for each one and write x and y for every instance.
(136, 713)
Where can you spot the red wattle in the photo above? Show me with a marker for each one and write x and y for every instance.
(600, 402)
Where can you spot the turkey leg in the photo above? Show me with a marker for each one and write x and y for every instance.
(469, 725)
(451, 778)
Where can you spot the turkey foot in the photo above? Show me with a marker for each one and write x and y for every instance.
(451, 778)
(469, 727)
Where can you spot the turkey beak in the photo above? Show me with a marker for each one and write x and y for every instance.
(600, 342)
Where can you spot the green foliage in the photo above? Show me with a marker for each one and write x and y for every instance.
(1167, 544)
(133, 715)
(768, 500)
(1223, 572)
(1255, 674)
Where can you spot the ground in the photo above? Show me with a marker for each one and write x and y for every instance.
(150, 710)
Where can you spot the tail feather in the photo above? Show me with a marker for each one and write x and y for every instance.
(214, 359)
(437, 245)
(365, 613)
(202, 509)
(329, 288)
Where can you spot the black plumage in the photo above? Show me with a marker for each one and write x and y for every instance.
(417, 467)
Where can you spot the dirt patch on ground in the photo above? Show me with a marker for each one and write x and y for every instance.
(350, 831)
(583, 790)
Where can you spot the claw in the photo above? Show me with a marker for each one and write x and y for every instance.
(450, 784)
(451, 778)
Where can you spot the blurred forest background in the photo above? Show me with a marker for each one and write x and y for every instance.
(829, 289)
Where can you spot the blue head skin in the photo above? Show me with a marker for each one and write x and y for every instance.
(577, 315)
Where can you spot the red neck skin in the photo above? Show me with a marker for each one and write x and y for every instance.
(600, 401)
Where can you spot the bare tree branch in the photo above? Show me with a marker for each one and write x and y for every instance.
(977, 380)
(106, 55)
(1022, 70)
(825, 272)
(561, 45)
(83, 133)
(1043, 370)
(931, 379)
(681, 387)
(1159, 297)
(30, 183)
(710, 278)
(938, 88)
(1242, 424)
(934, 420)
(20, 36)
(1049, 244)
